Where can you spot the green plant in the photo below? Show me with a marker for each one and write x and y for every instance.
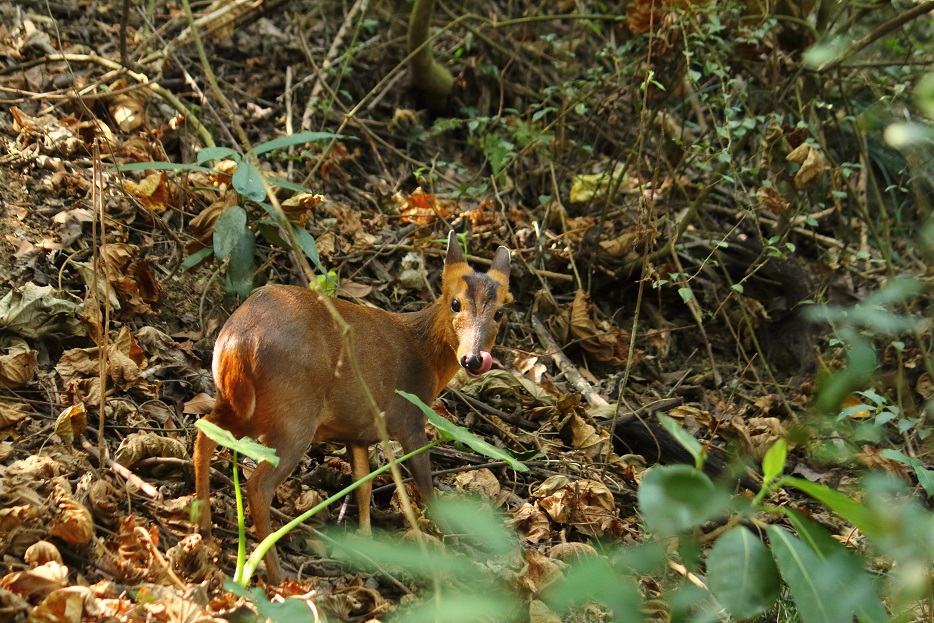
(246, 567)
(234, 240)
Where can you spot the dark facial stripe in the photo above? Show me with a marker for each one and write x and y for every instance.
(480, 288)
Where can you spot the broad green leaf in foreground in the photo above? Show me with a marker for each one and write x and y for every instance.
(742, 574)
(462, 435)
(228, 229)
(248, 181)
(675, 498)
(299, 138)
(241, 266)
(825, 589)
(684, 438)
(476, 523)
(245, 446)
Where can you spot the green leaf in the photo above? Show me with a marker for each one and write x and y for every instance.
(462, 435)
(195, 258)
(271, 232)
(382, 550)
(241, 266)
(228, 230)
(925, 476)
(286, 184)
(676, 498)
(593, 579)
(846, 507)
(327, 282)
(306, 243)
(773, 463)
(476, 523)
(215, 153)
(245, 446)
(742, 574)
(479, 607)
(828, 589)
(686, 294)
(738, 287)
(295, 139)
(291, 610)
(248, 181)
(683, 437)
(159, 166)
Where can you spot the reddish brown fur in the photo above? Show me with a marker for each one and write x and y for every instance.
(283, 377)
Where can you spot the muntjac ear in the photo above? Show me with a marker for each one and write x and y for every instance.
(454, 256)
(501, 262)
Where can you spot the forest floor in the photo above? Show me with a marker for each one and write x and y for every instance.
(664, 288)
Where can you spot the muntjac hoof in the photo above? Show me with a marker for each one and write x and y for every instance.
(475, 365)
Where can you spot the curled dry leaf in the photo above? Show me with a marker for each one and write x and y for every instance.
(22, 525)
(481, 481)
(531, 523)
(812, 165)
(71, 423)
(770, 200)
(592, 441)
(421, 207)
(104, 500)
(587, 505)
(134, 562)
(128, 109)
(78, 367)
(195, 559)
(199, 405)
(41, 552)
(352, 602)
(167, 358)
(12, 412)
(483, 218)
(605, 343)
(17, 363)
(38, 582)
(138, 446)
(33, 311)
(72, 604)
(73, 523)
(298, 206)
(539, 571)
(572, 551)
(152, 191)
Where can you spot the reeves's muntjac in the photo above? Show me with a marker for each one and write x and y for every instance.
(283, 377)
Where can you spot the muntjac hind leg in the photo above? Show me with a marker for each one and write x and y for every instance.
(360, 462)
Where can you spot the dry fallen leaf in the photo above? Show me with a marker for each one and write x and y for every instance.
(71, 423)
(71, 604)
(38, 582)
(18, 363)
(138, 446)
(481, 481)
(812, 165)
(531, 523)
(73, 523)
(12, 412)
(42, 552)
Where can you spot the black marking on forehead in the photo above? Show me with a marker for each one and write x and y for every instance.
(481, 288)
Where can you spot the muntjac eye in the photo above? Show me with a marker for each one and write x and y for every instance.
(455, 305)
(498, 315)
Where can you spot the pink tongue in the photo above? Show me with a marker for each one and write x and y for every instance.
(487, 362)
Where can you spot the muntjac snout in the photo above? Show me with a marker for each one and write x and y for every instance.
(283, 377)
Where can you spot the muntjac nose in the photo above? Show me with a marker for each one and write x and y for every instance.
(477, 363)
